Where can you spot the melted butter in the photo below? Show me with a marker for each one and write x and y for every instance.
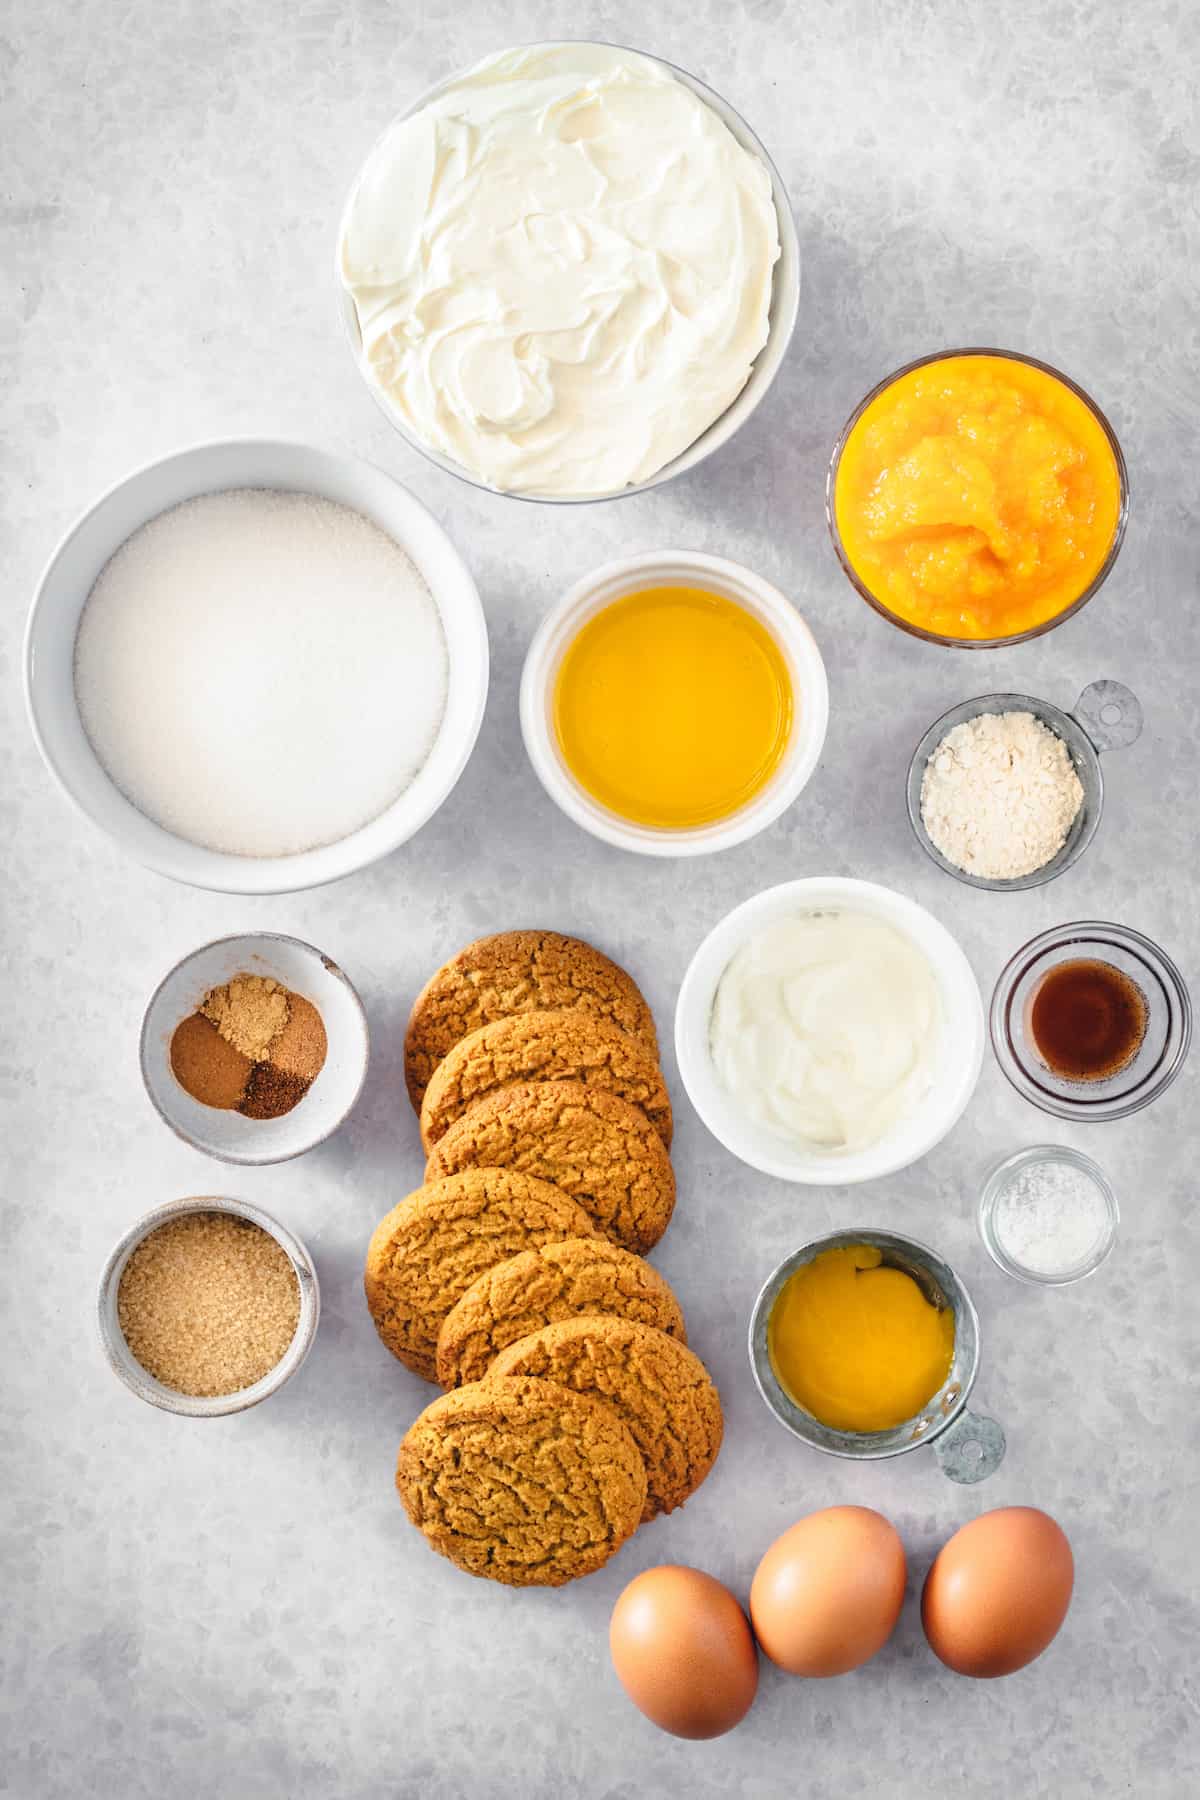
(673, 707)
(857, 1344)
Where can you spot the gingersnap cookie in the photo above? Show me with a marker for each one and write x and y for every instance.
(516, 972)
(657, 1385)
(565, 1044)
(521, 1481)
(428, 1250)
(594, 1146)
(562, 1280)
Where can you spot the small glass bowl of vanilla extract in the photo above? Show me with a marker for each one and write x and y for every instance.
(1091, 1021)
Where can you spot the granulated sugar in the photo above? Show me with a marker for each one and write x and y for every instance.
(261, 672)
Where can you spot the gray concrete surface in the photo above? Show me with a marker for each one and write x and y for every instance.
(239, 1608)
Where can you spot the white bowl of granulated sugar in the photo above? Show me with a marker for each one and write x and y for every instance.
(258, 666)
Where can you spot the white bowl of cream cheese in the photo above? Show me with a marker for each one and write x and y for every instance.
(829, 1031)
(568, 273)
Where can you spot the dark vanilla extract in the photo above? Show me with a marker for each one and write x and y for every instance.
(1087, 1020)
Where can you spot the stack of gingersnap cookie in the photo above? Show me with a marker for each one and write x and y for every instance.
(515, 1276)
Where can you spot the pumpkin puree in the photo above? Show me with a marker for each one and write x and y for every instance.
(977, 497)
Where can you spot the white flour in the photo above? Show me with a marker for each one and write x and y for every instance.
(261, 672)
(999, 795)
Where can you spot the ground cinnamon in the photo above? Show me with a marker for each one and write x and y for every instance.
(211, 1070)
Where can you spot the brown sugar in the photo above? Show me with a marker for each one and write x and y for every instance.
(210, 1069)
(208, 1303)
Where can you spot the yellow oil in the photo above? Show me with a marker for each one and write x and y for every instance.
(673, 707)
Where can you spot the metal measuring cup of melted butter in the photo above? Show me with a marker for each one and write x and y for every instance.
(969, 1446)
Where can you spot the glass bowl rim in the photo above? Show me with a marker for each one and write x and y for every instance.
(1059, 936)
(993, 1187)
(1036, 877)
(1016, 637)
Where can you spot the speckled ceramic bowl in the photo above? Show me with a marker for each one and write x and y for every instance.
(138, 1380)
(228, 1135)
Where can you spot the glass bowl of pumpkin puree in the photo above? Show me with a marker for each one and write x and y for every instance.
(977, 498)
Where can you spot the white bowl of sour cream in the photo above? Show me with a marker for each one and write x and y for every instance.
(829, 1031)
(568, 273)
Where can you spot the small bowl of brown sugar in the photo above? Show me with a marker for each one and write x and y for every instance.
(207, 1306)
(254, 1048)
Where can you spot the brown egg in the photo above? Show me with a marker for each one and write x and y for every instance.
(998, 1592)
(683, 1651)
(827, 1594)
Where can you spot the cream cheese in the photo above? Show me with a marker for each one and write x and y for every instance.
(561, 268)
(826, 1028)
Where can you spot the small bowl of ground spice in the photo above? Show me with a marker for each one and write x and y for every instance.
(207, 1306)
(254, 1048)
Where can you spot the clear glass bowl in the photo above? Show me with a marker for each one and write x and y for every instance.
(997, 1190)
(1159, 1056)
(1106, 716)
(935, 637)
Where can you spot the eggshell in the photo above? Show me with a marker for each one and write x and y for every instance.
(683, 1651)
(998, 1592)
(827, 1594)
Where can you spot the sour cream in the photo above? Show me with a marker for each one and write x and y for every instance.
(561, 268)
(826, 1028)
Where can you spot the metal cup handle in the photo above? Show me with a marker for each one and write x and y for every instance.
(1110, 713)
(972, 1449)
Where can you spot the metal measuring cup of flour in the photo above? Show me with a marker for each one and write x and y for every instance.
(969, 1446)
(1106, 716)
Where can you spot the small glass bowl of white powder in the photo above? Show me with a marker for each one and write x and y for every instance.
(1048, 1215)
(1006, 791)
